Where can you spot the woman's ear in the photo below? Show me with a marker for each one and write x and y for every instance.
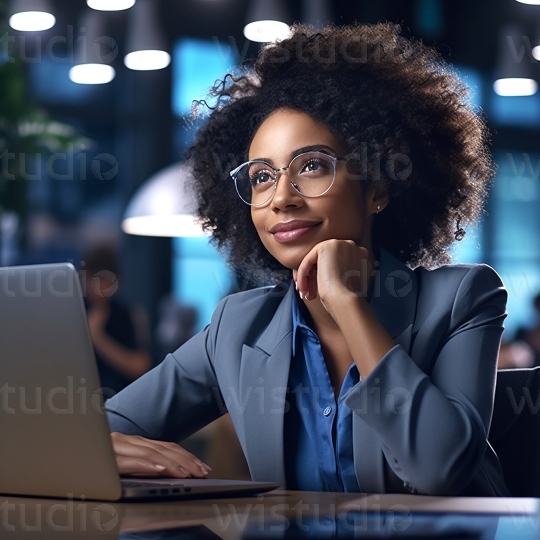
(378, 199)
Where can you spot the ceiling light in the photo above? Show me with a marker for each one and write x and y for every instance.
(266, 21)
(92, 73)
(94, 51)
(110, 5)
(147, 60)
(266, 31)
(535, 2)
(31, 15)
(514, 74)
(146, 47)
(515, 87)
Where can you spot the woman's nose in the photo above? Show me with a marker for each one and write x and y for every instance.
(285, 195)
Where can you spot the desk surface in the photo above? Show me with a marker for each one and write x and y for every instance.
(276, 513)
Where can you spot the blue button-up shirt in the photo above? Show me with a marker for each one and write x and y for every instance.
(318, 429)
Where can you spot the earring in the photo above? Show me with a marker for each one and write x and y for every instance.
(459, 234)
(378, 208)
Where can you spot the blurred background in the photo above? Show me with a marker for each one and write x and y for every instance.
(95, 100)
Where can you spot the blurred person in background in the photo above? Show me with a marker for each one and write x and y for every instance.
(515, 354)
(120, 333)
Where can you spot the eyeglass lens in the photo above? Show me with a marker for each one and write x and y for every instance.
(311, 174)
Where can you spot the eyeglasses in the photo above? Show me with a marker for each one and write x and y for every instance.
(311, 174)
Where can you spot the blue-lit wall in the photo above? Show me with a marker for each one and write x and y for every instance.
(200, 275)
(516, 242)
(507, 238)
(196, 65)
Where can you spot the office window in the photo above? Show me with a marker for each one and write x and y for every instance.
(515, 223)
(196, 66)
(515, 110)
(470, 250)
(200, 277)
(200, 274)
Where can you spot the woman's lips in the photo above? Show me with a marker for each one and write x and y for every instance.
(290, 233)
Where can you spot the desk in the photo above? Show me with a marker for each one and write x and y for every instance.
(275, 513)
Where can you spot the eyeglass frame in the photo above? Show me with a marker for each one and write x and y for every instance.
(278, 172)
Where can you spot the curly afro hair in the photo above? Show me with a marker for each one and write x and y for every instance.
(392, 100)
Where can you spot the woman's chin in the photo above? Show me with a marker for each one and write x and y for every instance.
(292, 261)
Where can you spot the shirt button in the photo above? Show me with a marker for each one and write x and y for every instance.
(409, 486)
(327, 411)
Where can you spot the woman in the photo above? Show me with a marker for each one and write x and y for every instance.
(356, 158)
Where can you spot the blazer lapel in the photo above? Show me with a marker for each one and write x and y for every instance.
(394, 303)
(263, 386)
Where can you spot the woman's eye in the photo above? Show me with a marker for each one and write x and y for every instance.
(260, 177)
(316, 165)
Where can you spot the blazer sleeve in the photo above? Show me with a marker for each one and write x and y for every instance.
(433, 429)
(177, 397)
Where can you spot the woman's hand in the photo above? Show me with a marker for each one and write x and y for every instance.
(339, 271)
(333, 270)
(145, 457)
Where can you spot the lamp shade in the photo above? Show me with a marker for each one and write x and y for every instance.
(146, 48)
(94, 52)
(110, 5)
(164, 205)
(266, 21)
(514, 71)
(31, 15)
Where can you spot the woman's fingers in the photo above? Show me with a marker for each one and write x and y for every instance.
(160, 458)
(176, 457)
(306, 275)
(177, 451)
(333, 266)
(158, 462)
(312, 281)
(141, 467)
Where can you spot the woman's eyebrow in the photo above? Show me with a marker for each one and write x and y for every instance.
(311, 148)
(294, 153)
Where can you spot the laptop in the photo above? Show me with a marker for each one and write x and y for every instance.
(55, 434)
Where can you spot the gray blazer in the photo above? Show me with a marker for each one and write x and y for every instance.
(421, 418)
